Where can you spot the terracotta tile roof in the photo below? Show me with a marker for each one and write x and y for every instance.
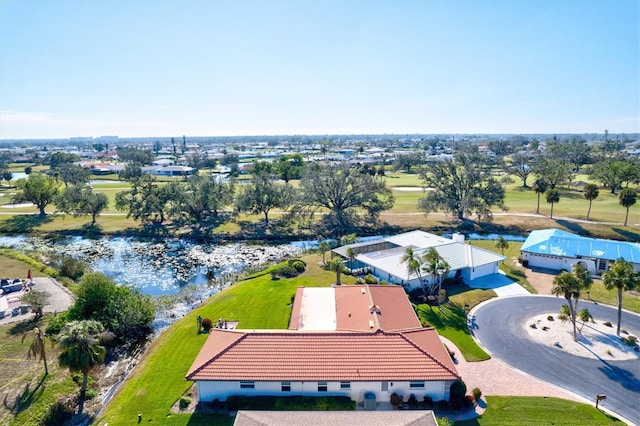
(360, 308)
(314, 356)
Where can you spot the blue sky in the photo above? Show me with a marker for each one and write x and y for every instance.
(213, 68)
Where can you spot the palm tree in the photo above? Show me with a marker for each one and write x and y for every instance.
(567, 284)
(337, 266)
(436, 266)
(590, 193)
(540, 187)
(324, 247)
(80, 348)
(502, 244)
(414, 264)
(627, 198)
(351, 254)
(37, 349)
(585, 316)
(552, 196)
(622, 276)
(584, 282)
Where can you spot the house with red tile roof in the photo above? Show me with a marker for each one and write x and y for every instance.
(371, 341)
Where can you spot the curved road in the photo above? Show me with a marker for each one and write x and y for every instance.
(498, 326)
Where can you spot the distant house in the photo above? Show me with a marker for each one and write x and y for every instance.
(346, 340)
(556, 249)
(170, 170)
(383, 257)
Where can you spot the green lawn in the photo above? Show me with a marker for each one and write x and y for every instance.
(451, 321)
(537, 411)
(257, 302)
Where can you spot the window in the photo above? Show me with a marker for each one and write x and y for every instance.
(322, 386)
(345, 385)
(414, 384)
(247, 384)
(285, 386)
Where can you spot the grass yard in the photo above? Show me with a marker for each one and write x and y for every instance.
(26, 392)
(538, 411)
(451, 322)
(257, 302)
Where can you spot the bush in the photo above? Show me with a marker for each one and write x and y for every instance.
(477, 394)
(428, 402)
(184, 403)
(608, 324)
(59, 413)
(286, 271)
(550, 318)
(56, 323)
(395, 400)
(630, 341)
(72, 268)
(298, 265)
(412, 401)
(458, 391)
(370, 279)
(525, 263)
(206, 325)
(290, 403)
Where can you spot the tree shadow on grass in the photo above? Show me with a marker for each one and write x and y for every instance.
(24, 326)
(574, 227)
(25, 398)
(449, 315)
(628, 234)
(21, 224)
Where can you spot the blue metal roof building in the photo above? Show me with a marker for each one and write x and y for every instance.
(555, 244)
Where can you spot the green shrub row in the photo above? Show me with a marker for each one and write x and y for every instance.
(29, 261)
(290, 403)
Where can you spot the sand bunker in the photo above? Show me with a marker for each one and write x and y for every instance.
(596, 340)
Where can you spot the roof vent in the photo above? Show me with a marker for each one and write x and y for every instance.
(364, 291)
(371, 324)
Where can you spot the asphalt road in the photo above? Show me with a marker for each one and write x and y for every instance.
(498, 326)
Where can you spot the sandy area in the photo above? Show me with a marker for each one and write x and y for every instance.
(595, 340)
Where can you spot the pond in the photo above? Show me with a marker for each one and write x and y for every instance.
(158, 267)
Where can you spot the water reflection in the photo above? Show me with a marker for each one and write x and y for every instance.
(158, 267)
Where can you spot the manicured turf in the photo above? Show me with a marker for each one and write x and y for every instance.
(451, 322)
(158, 382)
(522, 410)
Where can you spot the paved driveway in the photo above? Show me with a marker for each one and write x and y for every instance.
(498, 326)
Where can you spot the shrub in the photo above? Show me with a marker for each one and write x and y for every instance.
(298, 264)
(525, 262)
(428, 402)
(469, 401)
(370, 279)
(206, 325)
(297, 261)
(395, 400)
(184, 403)
(412, 401)
(444, 421)
(550, 318)
(630, 341)
(59, 413)
(72, 268)
(608, 324)
(55, 324)
(477, 394)
(286, 271)
(458, 390)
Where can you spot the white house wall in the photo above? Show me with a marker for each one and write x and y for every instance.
(482, 270)
(210, 390)
(558, 263)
